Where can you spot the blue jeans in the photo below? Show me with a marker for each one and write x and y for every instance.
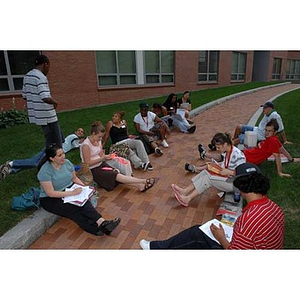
(27, 163)
(191, 238)
(244, 129)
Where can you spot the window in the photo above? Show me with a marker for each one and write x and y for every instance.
(116, 67)
(208, 63)
(134, 67)
(276, 68)
(13, 66)
(293, 69)
(238, 68)
(159, 66)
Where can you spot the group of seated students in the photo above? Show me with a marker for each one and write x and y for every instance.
(57, 174)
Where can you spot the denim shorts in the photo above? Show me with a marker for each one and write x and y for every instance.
(244, 129)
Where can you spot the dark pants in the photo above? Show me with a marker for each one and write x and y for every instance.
(191, 238)
(53, 134)
(84, 216)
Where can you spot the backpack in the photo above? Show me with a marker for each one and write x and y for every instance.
(27, 201)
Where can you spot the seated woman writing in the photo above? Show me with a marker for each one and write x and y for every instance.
(104, 175)
(232, 157)
(177, 120)
(116, 129)
(57, 174)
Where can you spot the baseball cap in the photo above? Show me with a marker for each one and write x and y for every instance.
(143, 104)
(268, 104)
(244, 170)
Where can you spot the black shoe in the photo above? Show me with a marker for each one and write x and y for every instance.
(108, 226)
(158, 152)
(212, 146)
(192, 129)
(190, 168)
(202, 151)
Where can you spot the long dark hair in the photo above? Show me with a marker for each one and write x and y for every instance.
(50, 152)
(168, 102)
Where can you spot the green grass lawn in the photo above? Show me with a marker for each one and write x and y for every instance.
(23, 141)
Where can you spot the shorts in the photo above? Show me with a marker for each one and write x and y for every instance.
(244, 129)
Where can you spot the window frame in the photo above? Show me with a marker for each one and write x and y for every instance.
(117, 74)
(239, 73)
(208, 73)
(276, 70)
(9, 77)
(291, 69)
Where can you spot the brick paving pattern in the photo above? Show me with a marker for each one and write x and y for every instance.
(156, 214)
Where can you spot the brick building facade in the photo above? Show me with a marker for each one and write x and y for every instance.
(80, 79)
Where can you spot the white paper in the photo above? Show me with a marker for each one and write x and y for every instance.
(227, 229)
(181, 112)
(86, 190)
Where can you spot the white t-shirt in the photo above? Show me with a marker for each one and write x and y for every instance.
(146, 123)
(71, 142)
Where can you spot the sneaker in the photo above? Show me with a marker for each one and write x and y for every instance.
(192, 129)
(158, 151)
(190, 168)
(149, 168)
(145, 245)
(5, 170)
(202, 151)
(165, 144)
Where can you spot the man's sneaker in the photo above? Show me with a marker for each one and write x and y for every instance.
(149, 168)
(158, 152)
(145, 245)
(192, 129)
(5, 170)
(165, 144)
(190, 168)
(202, 151)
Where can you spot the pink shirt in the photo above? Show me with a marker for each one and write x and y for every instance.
(95, 150)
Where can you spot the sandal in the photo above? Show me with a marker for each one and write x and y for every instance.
(149, 184)
(190, 168)
(108, 226)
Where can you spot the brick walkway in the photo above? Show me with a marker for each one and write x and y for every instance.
(156, 214)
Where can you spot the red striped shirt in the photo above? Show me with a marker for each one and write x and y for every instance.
(260, 226)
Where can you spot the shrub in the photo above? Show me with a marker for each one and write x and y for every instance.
(13, 117)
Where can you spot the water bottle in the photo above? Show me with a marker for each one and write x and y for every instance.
(236, 196)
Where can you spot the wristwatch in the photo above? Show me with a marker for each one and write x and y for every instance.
(291, 160)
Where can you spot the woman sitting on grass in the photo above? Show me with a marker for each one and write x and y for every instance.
(57, 174)
(104, 175)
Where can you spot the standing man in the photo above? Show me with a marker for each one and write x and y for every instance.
(40, 105)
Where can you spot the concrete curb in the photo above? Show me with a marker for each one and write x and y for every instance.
(30, 229)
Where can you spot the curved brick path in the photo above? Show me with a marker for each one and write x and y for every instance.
(156, 214)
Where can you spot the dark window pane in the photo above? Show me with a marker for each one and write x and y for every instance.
(167, 61)
(202, 77)
(152, 61)
(3, 70)
(21, 61)
(107, 80)
(213, 77)
(127, 79)
(126, 60)
(3, 85)
(18, 83)
(167, 78)
(106, 62)
(152, 79)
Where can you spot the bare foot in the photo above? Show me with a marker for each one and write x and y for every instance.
(180, 199)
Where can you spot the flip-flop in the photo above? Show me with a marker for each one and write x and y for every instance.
(179, 200)
(173, 188)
